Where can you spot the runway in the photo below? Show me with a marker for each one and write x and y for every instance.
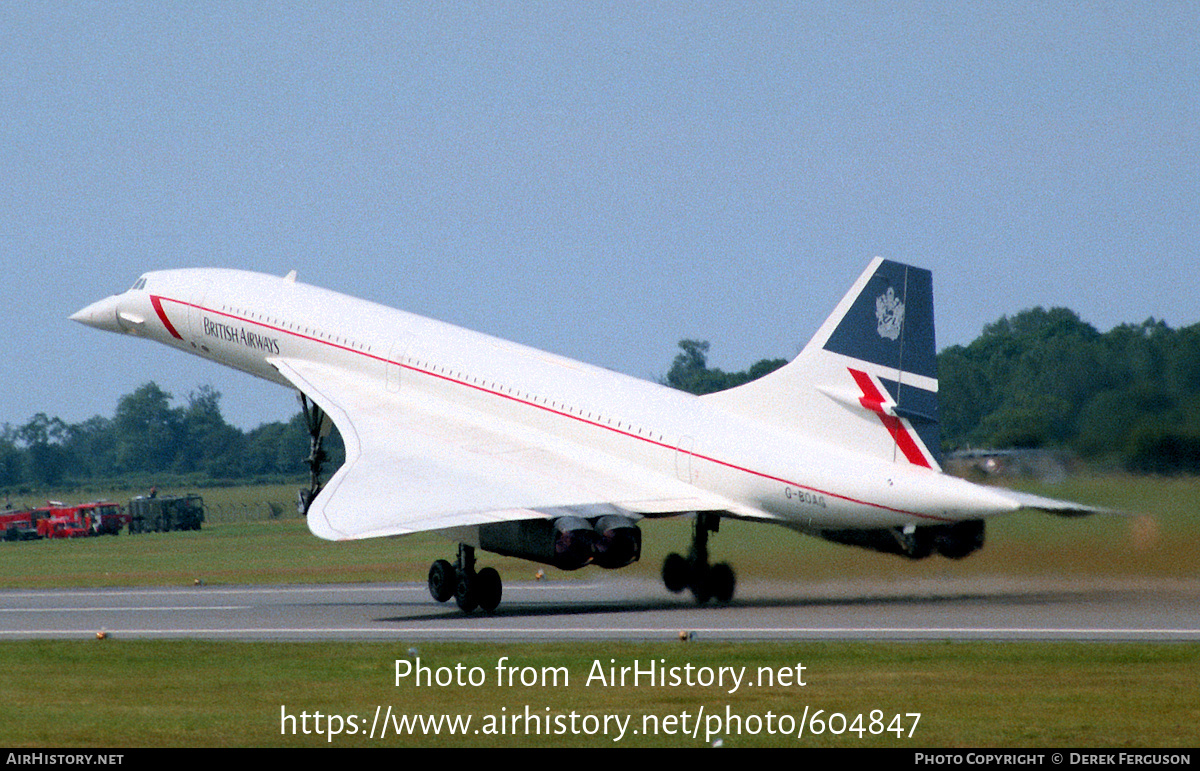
(1165, 610)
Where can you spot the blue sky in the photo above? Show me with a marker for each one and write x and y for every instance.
(599, 180)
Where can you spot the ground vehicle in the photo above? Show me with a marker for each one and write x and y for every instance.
(154, 514)
(19, 525)
(106, 518)
(57, 521)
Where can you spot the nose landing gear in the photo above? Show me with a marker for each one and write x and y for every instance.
(318, 425)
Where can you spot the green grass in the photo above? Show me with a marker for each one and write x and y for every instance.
(126, 693)
(241, 543)
(131, 693)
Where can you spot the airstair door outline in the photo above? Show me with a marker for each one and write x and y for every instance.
(395, 364)
(683, 459)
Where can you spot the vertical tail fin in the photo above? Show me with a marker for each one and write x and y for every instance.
(867, 381)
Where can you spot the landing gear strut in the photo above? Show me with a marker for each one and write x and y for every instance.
(318, 428)
(706, 581)
(460, 581)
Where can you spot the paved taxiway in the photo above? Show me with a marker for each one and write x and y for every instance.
(617, 608)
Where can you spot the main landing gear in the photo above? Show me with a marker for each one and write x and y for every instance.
(460, 581)
(715, 582)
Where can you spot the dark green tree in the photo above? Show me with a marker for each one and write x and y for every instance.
(43, 439)
(147, 431)
(12, 459)
(91, 446)
(689, 372)
(1046, 378)
(208, 443)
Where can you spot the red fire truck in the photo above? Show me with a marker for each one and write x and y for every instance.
(19, 525)
(106, 518)
(56, 520)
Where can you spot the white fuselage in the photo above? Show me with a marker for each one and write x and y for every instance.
(759, 470)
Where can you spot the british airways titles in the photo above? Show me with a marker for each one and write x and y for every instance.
(240, 335)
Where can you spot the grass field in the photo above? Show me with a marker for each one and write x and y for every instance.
(149, 694)
(124, 693)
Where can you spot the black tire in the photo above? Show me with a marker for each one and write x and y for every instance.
(488, 589)
(465, 594)
(442, 581)
(675, 573)
(722, 581)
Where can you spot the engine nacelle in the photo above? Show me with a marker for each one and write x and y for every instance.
(568, 542)
(954, 541)
(958, 540)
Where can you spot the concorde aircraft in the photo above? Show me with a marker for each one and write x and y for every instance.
(511, 450)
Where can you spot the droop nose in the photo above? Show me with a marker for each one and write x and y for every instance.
(106, 314)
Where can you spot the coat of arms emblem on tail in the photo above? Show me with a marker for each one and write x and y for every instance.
(889, 313)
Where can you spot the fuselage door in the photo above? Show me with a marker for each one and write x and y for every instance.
(395, 364)
(196, 314)
(683, 459)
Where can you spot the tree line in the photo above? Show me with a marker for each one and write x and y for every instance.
(148, 438)
(1045, 378)
(1040, 379)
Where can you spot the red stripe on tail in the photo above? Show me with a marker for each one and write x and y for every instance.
(873, 400)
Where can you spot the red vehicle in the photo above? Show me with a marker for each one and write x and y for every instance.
(58, 521)
(19, 525)
(62, 522)
(106, 518)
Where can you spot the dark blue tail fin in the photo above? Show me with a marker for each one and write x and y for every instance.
(890, 322)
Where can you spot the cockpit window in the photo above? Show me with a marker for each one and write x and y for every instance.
(140, 283)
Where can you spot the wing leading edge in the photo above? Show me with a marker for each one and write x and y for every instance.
(415, 465)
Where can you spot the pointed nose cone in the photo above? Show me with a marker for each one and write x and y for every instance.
(101, 315)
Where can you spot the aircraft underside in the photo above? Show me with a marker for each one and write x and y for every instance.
(611, 541)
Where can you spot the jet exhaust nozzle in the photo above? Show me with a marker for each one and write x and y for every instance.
(618, 543)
